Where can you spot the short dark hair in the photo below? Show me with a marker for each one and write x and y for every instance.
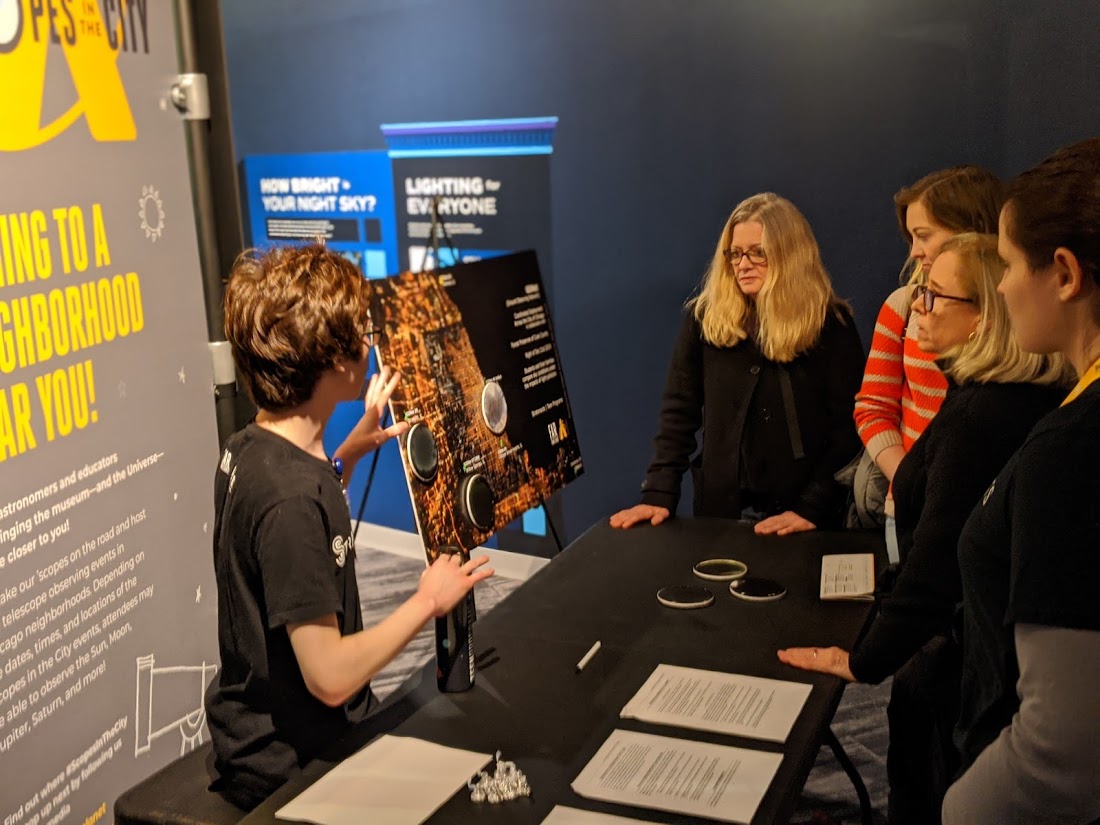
(962, 199)
(290, 314)
(1057, 204)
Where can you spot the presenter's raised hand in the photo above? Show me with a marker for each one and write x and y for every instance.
(784, 524)
(369, 434)
(639, 513)
(447, 581)
(830, 660)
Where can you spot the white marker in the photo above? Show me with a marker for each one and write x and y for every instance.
(592, 651)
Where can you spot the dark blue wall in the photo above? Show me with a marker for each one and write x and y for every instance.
(671, 112)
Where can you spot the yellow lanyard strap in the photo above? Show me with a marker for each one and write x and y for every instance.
(1091, 374)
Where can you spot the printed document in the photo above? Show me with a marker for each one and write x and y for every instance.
(719, 702)
(393, 781)
(676, 775)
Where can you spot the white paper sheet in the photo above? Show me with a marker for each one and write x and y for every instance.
(562, 815)
(676, 775)
(848, 576)
(720, 702)
(393, 781)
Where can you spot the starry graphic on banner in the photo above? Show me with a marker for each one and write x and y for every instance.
(182, 376)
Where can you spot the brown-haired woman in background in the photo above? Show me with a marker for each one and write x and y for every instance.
(996, 393)
(1029, 730)
(766, 364)
(903, 387)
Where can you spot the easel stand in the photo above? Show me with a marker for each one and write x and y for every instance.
(454, 633)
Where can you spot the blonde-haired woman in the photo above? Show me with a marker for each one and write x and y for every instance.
(996, 393)
(766, 364)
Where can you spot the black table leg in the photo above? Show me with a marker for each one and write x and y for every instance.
(865, 811)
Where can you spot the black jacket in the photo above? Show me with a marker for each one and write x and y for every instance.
(773, 434)
(937, 484)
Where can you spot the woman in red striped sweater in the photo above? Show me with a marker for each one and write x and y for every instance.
(902, 387)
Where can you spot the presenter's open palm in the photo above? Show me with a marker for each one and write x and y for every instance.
(639, 513)
(369, 434)
(448, 579)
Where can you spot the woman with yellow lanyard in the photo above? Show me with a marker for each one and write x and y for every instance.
(1029, 729)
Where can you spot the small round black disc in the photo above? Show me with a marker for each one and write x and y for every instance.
(755, 589)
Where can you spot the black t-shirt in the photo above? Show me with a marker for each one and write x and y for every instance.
(1029, 553)
(282, 554)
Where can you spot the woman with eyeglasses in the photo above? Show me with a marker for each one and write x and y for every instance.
(766, 365)
(902, 387)
(1029, 728)
(996, 393)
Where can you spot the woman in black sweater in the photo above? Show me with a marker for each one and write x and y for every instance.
(996, 393)
(766, 365)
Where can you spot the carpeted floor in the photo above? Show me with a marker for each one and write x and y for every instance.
(385, 580)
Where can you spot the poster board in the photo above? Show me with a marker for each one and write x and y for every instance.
(492, 432)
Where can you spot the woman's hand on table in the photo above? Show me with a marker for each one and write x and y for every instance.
(784, 524)
(639, 513)
(831, 660)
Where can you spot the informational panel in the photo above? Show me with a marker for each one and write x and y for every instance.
(345, 198)
(108, 443)
(491, 432)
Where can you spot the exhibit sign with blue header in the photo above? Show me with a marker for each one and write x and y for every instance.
(344, 198)
(488, 180)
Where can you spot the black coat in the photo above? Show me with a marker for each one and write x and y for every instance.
(773, 435)
(937, 484)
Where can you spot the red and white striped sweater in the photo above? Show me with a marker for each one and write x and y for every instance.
(902, 387)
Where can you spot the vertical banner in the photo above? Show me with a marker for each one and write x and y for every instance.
(107, 434)
(488, 184)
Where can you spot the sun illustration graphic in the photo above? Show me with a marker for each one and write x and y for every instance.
(151, 212)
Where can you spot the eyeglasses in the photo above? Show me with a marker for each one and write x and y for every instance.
(755, 254)
(929, 296)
